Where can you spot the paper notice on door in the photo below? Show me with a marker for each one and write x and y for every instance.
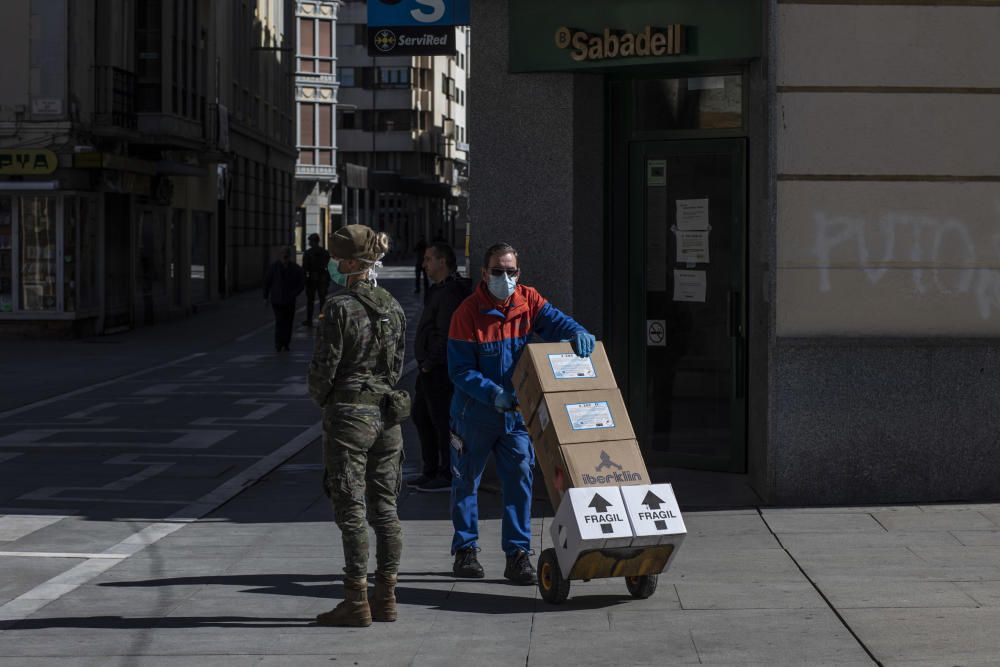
(586, 416)
(690, 285)
(692, 215)
(569, 366)
(692, 247)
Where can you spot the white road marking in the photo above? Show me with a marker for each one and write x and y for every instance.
(47, 554)
(28, 603)
(89, 388)
(17, 526)
(56, 493)
(187, 439)
(264, 409)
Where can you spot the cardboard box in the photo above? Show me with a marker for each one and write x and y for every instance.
(654, 515)
(553, 367)
(571, 417)
(591, 541)
(613, 463)
(589, 519)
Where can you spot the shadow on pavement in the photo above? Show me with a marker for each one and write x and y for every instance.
(145, 623)
(311, 585)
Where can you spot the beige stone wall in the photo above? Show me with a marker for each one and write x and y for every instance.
(888, 166)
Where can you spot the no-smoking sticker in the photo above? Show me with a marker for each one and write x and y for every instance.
(656, 333)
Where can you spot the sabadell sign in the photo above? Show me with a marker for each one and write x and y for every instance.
(615, 35)
(610, 44)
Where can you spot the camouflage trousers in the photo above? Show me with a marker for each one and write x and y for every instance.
(363, 462)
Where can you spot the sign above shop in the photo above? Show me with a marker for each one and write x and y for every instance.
(612, 44)
(27, 162)
(414, 27)
(598, 35)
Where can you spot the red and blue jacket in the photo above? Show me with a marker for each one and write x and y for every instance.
(486, 340)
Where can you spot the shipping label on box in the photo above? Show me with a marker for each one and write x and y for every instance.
(568, 366)
(653, 512)
(583, 416)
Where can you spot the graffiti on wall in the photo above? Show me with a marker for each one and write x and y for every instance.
(942, 255)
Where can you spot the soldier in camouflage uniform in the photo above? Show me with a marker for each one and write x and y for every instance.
(356, 363)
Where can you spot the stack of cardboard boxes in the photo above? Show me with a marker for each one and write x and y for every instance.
(583, 438)
(577, 419)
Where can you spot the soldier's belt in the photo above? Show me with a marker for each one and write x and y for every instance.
(363, 397)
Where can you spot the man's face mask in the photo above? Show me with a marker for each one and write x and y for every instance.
(503, 285)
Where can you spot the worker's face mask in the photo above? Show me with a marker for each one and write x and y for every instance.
(501, 286)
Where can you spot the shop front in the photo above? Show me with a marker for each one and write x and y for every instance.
(679, 86)
(99, 244)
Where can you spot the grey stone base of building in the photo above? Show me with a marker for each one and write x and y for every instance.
(857, 421)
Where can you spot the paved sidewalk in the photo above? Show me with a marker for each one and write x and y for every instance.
(893, 585)
(900, 585)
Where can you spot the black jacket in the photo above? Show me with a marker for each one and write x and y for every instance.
(443, 298)
(314, 261)
(283, 282)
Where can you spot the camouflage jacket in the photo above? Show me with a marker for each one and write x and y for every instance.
(359, 343)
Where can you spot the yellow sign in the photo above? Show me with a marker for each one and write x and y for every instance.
(27, 162)
(613, 44)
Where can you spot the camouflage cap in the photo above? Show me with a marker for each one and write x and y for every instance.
(353, 242)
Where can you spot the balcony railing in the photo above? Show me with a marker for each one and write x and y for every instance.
(114, 95)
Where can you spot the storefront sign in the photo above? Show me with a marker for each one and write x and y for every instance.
(27, 162)
(408, 41)
(414, 27)
(567, 35)
(612, 44)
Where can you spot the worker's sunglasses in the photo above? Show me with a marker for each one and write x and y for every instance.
(497, 271)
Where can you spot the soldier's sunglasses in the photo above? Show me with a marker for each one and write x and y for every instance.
(497, 271)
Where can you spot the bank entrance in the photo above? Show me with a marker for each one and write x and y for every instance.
(678, 243)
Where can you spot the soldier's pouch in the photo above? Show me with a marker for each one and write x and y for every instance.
(396, 406)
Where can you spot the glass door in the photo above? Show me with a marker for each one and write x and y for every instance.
(687, 351)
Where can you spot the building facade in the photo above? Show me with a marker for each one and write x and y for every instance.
(316, 105)
(781, 217)
(160, 135)
(402, 136)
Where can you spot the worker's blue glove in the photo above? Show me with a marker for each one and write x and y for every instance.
(504, 402)
(583, 344)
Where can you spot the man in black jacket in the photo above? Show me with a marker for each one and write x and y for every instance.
(433, 395)
(315, 261)
(283, 283)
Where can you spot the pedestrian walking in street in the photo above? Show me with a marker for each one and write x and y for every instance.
(283, 282)
(419, 276)
(487, 335)
(432, 398)
(356, 364)
(315, 261)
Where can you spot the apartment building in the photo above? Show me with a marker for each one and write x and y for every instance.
(316, 111)
(402, 142)
(151, 160)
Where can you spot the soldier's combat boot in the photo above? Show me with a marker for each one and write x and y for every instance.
(354, 611)
(383, 603)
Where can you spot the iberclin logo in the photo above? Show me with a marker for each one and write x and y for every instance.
(615, 476)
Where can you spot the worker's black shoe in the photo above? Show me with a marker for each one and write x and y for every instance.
(467, 565)
(519, 570)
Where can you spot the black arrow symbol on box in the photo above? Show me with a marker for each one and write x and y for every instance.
(652, 501)
(600, 504)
